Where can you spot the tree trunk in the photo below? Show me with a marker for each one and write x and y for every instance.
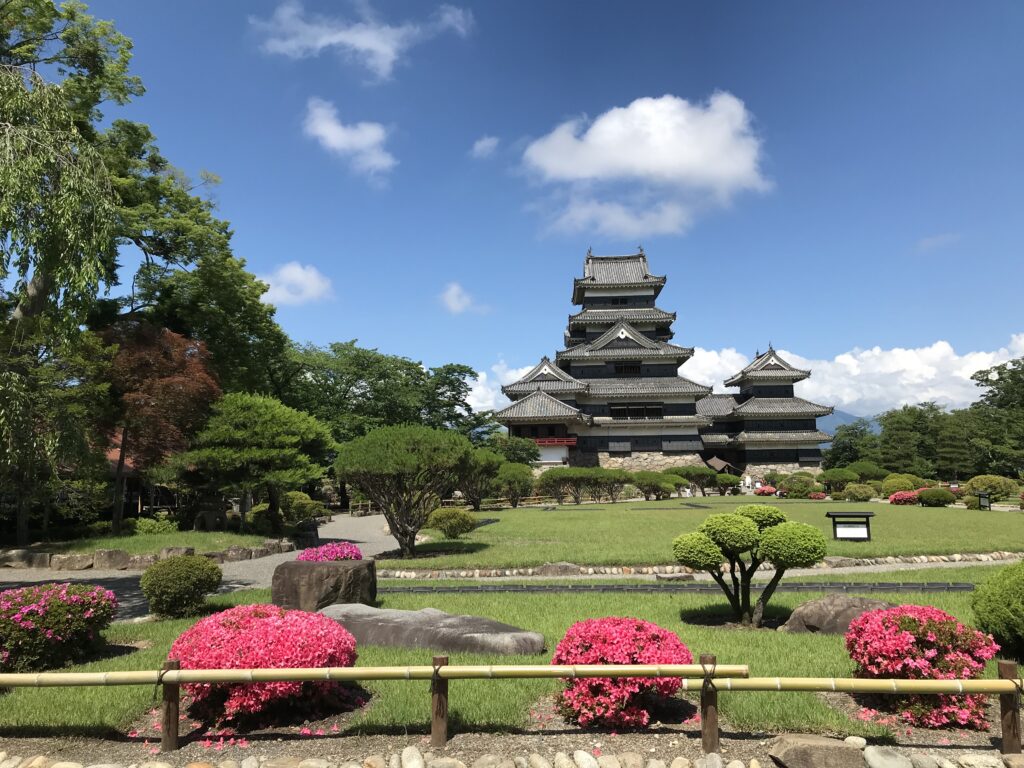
(406, 543)
(343, 500)
(36, 293)
(244, 505)
(274, 511)
(119, 483)
(22, 521)
(765, 596)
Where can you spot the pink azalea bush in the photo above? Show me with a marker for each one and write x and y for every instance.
(922, 643)
(765, 490)
(817, 496)
(904, 498)
(50, 625)
(622, 702)
(262, 636)
(336, 550)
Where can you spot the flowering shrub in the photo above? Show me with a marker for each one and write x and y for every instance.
(922, 643)
(262, 636)
(904, 498)
(765, 490)
(818, 496)
(621, 702)
(336, 550)
(50, 625)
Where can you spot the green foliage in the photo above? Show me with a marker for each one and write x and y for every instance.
(837, 479)
(868, 470)
(161, 522)
(998, 488)
(859, 492)
(900, 482)
(552, 483)
(774, 478)
(851, 443)
(261, 521)
(764, 515)
(732, 533)
(609, 483)
(725, 482)
(700, 476)
(297, 506)
(998, 605)
(451, 521)
(516, 450)
(567, 481)
(477, 474)
(936, 497)
(514, 481)
(652, 484)
(792, 545)
(798, 486)
(696, 550)
(404, 471)
(177, 587)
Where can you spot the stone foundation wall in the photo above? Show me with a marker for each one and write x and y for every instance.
(758, 471)
(648, 461)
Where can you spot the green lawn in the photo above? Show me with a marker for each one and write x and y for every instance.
(499, 705)
(149, 544)
(641, 533)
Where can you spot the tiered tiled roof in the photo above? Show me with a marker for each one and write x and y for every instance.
(545, 376)
(615, 272)
(623, 341)
(716, 405)
(540, 406)
(781, 406)
(806, 436)
(629, 314)
(768, 367)
(653, 385)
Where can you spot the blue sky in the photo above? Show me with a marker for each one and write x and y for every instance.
(843, 180)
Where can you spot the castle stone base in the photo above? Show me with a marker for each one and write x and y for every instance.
(648, 461)
(758, 471)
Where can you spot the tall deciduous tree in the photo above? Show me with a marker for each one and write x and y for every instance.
(518, 450)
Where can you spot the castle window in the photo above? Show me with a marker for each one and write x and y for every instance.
(627, 369)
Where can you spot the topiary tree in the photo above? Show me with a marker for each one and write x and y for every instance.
(178, 586)
(896, 482)
(838, 479)
(726, 482)
(609, 482)
(775, 478)
(868, 470)
(574, 480)
(998, 604)
(998, 488)
(653, 485)
(552, 483)
(451, 521)
(404, 471)
(935, 497)
(798, 486)
(700, 476)
(516, 450)
(514, 481)
(477, 474)
(760, 534)
(859, 492)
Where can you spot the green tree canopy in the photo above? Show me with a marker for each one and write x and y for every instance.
(477, 475)
(514, 481)
(518, 450)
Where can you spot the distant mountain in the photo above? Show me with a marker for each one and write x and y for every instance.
(838, 418)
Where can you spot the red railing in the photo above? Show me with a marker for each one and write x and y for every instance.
(555, 440)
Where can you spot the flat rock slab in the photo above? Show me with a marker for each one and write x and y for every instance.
(110, 559)
(310, 586)
(830, 615)
(810, 751)
(431, 628)
(71, 562)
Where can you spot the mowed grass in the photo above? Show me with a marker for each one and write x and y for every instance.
(641, 533)
(149, 544)
(500, 705)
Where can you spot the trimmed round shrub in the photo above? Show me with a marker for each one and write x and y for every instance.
(726, 482)
(765, 490)
(859, 492)
(868, 470)
(451, 522)
(297, 506)
(792, 545)
(731, 532)
(904, 498)
(895, 483)
(998, 488)
(260, 521)
(764, 515)
(998, 604)
(262, 636)
(329, 553)
(922, 643)
(696, 550)
(177, 587)
(798, 486)
(935, 497)
(621, 702)
(161, 522)
(50, 625)
(838, 478)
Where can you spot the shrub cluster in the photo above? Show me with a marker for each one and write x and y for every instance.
(452, 522)
(922, 643)
(297, 506)
(262, 636)
(998, 603)
(177, 587)
(998, 488)
(904, 498)
(50, 625)
(161, 522)
(900, 482)
(765, 490)
(798, 486)
(622, 702)
(818, 495)
(327, 553)
(935, 497)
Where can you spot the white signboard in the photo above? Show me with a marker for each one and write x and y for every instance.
(856, 531)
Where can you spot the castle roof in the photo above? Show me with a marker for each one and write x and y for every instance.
(545, 376)
(629, 314)
(807, 436)
(768, 366)
(540, 406)
(623, 341)
(645, 385)
(615, 272)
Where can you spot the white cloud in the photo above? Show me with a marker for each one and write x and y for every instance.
(485, 394)
(869, 381)
(362, 144)
(935, 242)
(669, 157)
(295, 283)
(484, 147)
(457, 300)
(373, 44)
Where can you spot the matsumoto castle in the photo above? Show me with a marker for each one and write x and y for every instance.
(614, 396)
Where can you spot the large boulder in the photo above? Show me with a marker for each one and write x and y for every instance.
(25, 558)
(431, 628)
(110, 559)
(72, 562)
(830, 615)
(310, 586)
(798, 750)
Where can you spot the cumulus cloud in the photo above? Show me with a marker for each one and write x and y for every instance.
(668, 157)
(935, 242)
(361, 144)
(368, 41)
(457, 300)
(295, 283)
(869, 381)
(485, 394)
(484, 147)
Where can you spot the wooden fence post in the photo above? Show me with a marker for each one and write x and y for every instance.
(169, 711)
(1009, 711)
(708, 707)
(439, 706)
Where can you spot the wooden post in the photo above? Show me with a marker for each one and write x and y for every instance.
(708, 709)
(1009, 711)
(169, 711)
(439, 707)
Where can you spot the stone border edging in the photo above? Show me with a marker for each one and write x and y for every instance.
(120, 560)
(572, 569)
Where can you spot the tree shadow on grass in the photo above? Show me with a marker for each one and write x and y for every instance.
(436, 549)
(719, 614)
